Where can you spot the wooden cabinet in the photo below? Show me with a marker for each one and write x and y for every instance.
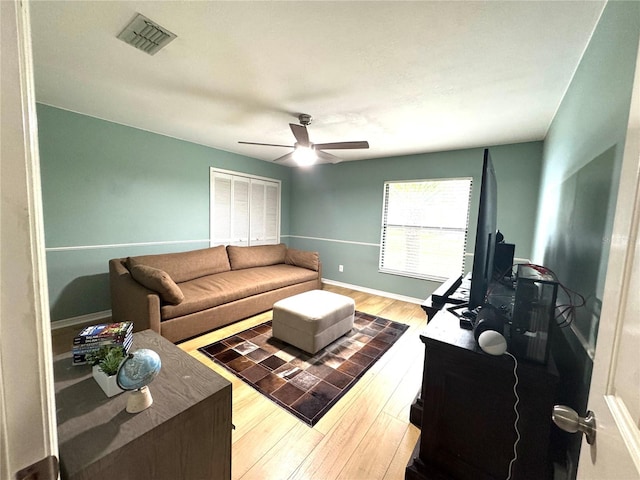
(185, 434)
(468, 412)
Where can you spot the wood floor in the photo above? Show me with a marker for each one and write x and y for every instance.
(365, 436)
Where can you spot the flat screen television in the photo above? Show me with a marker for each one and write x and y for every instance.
(483, 253)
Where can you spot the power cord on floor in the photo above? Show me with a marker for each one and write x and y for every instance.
(515, 409)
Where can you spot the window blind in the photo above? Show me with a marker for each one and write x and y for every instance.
(424, 227)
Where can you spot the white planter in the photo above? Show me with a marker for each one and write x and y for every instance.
(108, 384)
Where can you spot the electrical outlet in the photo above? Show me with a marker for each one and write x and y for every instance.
(340, 268)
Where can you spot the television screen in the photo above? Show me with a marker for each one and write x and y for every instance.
(484, 249)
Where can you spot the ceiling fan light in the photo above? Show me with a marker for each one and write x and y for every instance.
(305, 156)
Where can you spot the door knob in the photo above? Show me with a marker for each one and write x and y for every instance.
(567, 419)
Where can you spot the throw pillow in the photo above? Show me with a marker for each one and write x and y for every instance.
(302, 258)
(158, 281)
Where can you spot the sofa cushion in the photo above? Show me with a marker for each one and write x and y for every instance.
(158, 281)
(302, 258)
(184, 266)
(214, 290)
(258, 256)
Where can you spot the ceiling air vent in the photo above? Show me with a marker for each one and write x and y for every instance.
(145, 35)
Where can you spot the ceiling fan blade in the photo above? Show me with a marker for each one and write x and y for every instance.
(342, 145)
(283, 158)
(327, 157)
(267, 144)
(301, 134)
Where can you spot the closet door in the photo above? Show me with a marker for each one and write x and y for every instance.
(229, 223)
(244, 210)
(272, 213)
(257, 212)
(240, 216)
(220, 209)
(265, 212)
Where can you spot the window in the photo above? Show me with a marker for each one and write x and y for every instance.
(424, 228)
(245, 210)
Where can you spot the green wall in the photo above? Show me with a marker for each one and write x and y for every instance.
(337, 209)
(111, 191)
(582, 158)
(114, 191)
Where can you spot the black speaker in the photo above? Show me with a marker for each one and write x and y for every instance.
(503, 259)
(489, 318)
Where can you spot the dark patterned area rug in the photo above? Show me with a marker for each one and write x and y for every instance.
(307, 386)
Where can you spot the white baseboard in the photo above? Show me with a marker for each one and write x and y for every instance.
(381, 293)
(96, 317)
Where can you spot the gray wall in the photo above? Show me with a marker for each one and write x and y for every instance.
(337, 209)
(582, 159)
(111, 191)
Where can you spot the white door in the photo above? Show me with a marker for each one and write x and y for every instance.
(257, 231)
(240, 213)
(27, 410)
(614, 397)
(245, 210)
(220, 208)
(265, 212)
(229, 222)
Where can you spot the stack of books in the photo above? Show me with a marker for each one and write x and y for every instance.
(94, 337)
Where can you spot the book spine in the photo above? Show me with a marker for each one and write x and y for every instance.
(94, 348)
(119, 337)
(105, 330)
(79, 357)
(91, 347)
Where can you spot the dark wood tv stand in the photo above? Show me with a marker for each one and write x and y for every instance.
(467, 410)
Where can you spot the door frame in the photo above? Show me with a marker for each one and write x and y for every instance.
(617, 446)
(27, 398)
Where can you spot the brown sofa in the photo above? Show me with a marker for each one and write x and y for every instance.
(181, 295)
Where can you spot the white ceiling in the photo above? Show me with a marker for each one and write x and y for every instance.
(409, 77)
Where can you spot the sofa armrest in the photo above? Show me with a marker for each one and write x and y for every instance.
(130, 301)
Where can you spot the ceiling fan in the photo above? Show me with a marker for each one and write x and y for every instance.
(304, 151)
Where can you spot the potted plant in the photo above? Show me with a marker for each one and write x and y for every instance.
(105, 363)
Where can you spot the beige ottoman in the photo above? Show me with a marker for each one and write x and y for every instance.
(313, 319)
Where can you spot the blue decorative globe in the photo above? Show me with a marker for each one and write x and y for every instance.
(138, 369)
